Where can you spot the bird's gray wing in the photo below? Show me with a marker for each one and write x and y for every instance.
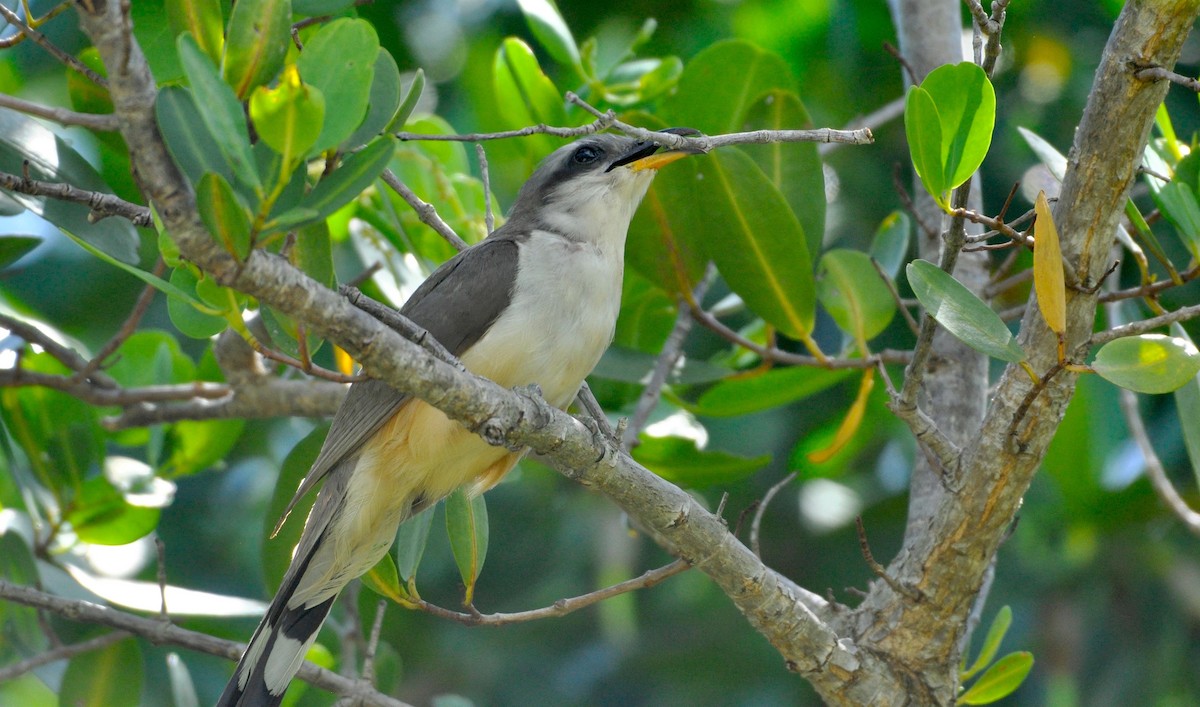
(457, 304)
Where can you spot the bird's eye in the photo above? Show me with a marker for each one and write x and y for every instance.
(586, 154)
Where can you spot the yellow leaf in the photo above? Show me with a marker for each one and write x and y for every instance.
(850, 425)
(1048, 268)
(345, 364)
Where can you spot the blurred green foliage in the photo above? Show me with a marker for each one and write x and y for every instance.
(1104, 585)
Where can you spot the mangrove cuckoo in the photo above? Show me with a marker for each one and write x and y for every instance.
(534, 302)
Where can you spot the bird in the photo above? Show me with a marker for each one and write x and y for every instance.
(535, 302)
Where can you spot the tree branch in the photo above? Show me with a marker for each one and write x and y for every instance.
(102, 205)
(102, 122)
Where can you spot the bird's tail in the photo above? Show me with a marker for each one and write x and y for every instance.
(277, 648)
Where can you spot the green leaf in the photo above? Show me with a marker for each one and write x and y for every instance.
(12, 248)
(357, 173)
(339, 60)
(1178, 203)
(962, 313)
(224, 214)
(183, 689)
(1000, 680)
(679, 461)
(383, 580)
(152, 29)
(313, 8)
(1049, 156)
(257, 39)
(467, 528)
(28, 147)
(410, 543)
(923, 128)
(409, 103)
(991, 643)
(524, 95)
(889, 247)
(288, 117)
(793, 167)
(1150, 363)
(547, 24)
(277, 551)
(966, 107)
(720, 83)
(219, 108)
(749, 231)
(657, 246)
(188, 139)
(99, 514)
(109, 677)
(202, 18)
(187, 318)
(21, 629)
(1187, 402)
(383, 103)
(774, 388)
(313, 253)
(854, 295)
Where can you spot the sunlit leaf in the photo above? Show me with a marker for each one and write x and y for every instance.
(1178, 202)
(679, 461)
(546, 23)
(991, 643)
(383, 103)
(99, 514)
(748, 394)
(962, 313)
(288, 117)
(404, 111)
(720, 83)
(924, 131)
(357, 172)
(1048, 279)
(183, 689)
(467, 528)
(339, 60)
(524, 94)
(1187, 402)
(1149, 363)
(1000, 680)
(257, 40)
(966, 107)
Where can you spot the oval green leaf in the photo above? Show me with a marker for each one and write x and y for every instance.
(745, 226)
(720, 83)
(224, 214)
(966, 107)
(410, 543)
(409, 103)
(202, 18)
(1187, 402)
(257, 39)
(219, 108)
(793, 167)
(524, 94)
(1000, 680)
(188, 319)
(100, 515)
(889, 247)
(854, 294)
(774, 388)
(288, 117)
(923, 129)
(962, 313)
(345, 183)
(188, 139)
(383, 101)
(467, 528)
(1179, 204)
(991, 643)
(340, 62)
(1150, 363)
(383, 579)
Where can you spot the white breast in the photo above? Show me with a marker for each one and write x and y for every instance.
(560, 319)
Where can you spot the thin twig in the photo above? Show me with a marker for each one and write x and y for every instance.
(1154, 469)
(1146, 325)
(425, 211)
(102, 122)
(562, 607)
(101, 205)
(756, 524)
(600, 123)
(1152, 289)
(908, 317)
(16, 670)
(40, 39)
(877, 568)
(703, 143)
(663, 365)
(372, 648)
(489, 218)
(1158, 73)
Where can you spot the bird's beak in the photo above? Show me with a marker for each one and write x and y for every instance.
(645, 155)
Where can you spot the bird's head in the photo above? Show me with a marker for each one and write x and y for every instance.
(591, 185)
